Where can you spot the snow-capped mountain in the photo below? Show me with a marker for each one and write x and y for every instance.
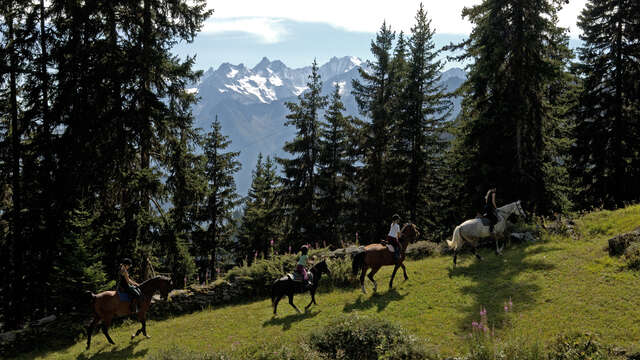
(250, 102)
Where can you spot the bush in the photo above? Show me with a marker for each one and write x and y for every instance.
(356, 337)
(578, 346)
(422, 249)
(632, 256)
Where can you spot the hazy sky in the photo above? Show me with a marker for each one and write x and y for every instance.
(297, 31)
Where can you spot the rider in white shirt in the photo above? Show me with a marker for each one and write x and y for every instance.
(393, 236)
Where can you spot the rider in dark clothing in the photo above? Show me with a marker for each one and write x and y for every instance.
(127, 285)
(490, 211)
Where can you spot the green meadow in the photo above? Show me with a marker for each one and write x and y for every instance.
(557, 284)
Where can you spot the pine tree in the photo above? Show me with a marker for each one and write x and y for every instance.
(606, 159)
(221, 197)
(508, 124)
(374, 96)
(299, 181)
(261, 218)
(427, 107)
(336, 172)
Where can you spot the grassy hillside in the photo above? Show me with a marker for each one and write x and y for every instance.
(557, 285)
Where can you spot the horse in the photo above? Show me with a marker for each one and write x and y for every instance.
(375, 256)
(107, 305)
(287, 286)
(473, 230)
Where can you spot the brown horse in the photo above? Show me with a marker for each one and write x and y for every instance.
(375, 256)
(107, 306)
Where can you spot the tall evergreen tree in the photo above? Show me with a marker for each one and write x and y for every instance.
(373, 95)
(606, 158)
(300, 171)
(420, 130)
(507, 127)
(336, 172)
(261, 218)
(221, 195)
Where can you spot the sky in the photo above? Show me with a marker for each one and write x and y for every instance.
(299, 31)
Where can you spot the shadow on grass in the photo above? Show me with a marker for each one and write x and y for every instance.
(112, 352)
(497, 279)
(380, 300)
(289, 319)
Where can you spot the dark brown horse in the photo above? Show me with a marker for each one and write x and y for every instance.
(289, 287)
(107, 306)
(375, 256)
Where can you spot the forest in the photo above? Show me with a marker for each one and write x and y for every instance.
(99, 158)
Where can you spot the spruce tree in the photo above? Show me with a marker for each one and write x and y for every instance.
(374, 95)
(508, 125)
(221, 197)
(420, 129)
(261, 218)
(336, 172)
(300, 171)
(606, 158)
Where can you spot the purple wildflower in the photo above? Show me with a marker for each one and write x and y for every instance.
(474, 324)
(506, 308)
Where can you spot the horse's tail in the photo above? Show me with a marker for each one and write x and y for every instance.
(358, 262)
(454, 243)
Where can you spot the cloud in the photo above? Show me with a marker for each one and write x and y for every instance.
(267, 30)
(368, 15)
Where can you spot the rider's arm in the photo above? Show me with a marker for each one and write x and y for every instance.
(129, 280)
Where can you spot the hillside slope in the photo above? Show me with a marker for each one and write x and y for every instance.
(557, 285)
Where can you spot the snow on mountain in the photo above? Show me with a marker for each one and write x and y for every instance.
(250, 102)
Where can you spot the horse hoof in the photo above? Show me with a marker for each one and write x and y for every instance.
(133, 336)
(148, 336)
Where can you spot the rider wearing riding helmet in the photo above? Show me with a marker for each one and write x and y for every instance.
(393, 236)
(490, 210)
(128, 285)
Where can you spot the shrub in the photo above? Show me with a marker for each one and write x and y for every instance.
(618, 244)
(632, 256)
(422, 249)
(578, 346)
(356, 337)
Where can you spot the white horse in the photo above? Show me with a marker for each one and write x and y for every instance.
(473, 230)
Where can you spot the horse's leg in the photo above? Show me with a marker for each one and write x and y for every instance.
(94, 322)
(313, 299)
(105, 330)
(275, 304)
(498, 250)
(475, 252)
(455, 257)
(364, 272)
(404, 270)
(373, 271)
(395, 268)
(292, 304)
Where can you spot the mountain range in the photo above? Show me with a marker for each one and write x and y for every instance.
(250, 103)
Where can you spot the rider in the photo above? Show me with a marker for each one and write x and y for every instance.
(393, 235)
(301, 267)
(128, 285)
(490, 211)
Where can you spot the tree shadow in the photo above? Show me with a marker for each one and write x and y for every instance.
(289, 319)
(112, 352)
(380, 300)
(497, 279)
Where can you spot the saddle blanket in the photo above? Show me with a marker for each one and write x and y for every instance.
(298, 278)
(124, 296)
(390, 248)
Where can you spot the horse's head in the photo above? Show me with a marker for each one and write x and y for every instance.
(409, 232)
(164, 286)
(520, 210)
(323, 267)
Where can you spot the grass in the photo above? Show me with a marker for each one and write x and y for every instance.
(557, 285)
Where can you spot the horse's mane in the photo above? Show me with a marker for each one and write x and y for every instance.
(159, 277)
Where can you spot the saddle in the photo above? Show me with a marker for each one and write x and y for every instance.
(388, 245)
(485, 220)
(298, 278)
